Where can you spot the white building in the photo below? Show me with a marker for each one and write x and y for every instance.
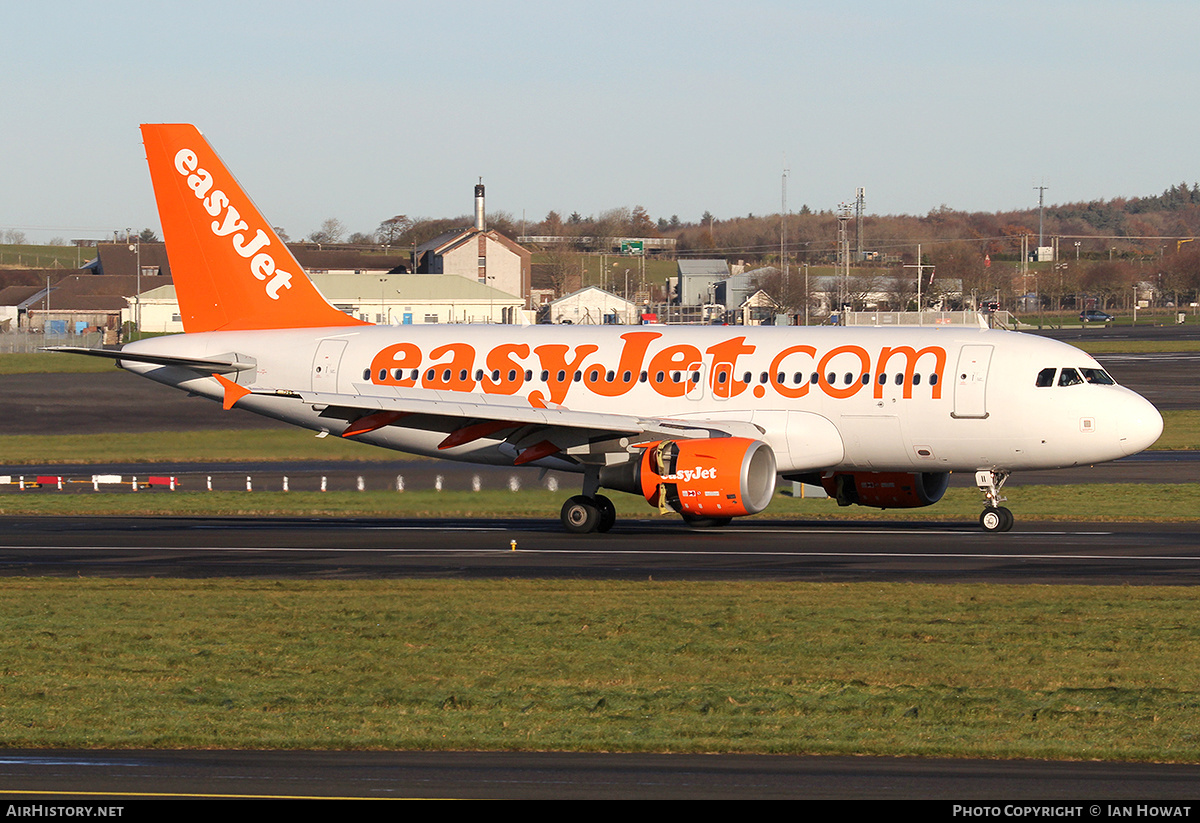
(480, 255)
(384, 299)
(594, 306)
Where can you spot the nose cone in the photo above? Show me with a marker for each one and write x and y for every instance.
(1139, 425)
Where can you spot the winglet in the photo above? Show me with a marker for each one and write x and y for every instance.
(230, 269)
(233, 392)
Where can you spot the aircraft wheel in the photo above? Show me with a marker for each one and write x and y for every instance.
(581, 515)
(997, 519)
(608, 513)
(706, 522)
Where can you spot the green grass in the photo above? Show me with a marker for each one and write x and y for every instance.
(1093, 503)
(1135, 346)
(53, 363)
(200, 446)
(866, 669)
(32, 256)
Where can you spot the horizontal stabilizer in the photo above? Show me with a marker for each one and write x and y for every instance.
(206, 365)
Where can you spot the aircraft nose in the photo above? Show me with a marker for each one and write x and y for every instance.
(1139, 425)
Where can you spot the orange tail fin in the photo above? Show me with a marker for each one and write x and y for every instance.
(231, 271)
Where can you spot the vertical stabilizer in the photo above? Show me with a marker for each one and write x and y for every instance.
(231, 271)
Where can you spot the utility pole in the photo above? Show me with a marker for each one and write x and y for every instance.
(860, 196)
(1041, 190)
(843, 217)
(920, 267)
(783, 237)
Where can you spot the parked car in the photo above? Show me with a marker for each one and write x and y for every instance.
(1095, 316)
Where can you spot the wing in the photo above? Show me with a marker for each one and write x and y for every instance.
(530, 432)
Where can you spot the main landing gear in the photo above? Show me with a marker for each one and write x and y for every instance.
(995, 518)
(590, 511)
(582, 514)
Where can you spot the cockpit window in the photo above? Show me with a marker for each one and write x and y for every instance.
(1046, 378)
(1069, 377)
(1098, 376)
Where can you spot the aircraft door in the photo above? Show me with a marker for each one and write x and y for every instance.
(326, 364)
(722, 381)
(970, 382)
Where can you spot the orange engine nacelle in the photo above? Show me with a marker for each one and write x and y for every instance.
(886, 490)
(717, 477)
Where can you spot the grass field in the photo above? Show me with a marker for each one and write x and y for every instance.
(885, 669)
(1149, 502)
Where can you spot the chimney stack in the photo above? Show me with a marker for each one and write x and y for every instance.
(480, 225)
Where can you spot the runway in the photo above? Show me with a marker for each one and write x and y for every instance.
(1084, 553)
(109, 778)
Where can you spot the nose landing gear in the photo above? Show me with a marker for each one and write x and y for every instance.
(995, 518)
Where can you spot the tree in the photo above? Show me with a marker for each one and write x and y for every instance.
(561, 268)
(391, 230)
(331, 231)
(148, 236)
(640, 224)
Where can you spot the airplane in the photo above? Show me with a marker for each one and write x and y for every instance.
(699, 421)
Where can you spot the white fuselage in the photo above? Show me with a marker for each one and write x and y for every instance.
(865, 399)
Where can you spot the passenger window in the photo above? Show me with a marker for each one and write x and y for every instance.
(1045, 378)
(1069, 377)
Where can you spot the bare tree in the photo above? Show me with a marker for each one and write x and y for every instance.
(391, 230)
(332, 230)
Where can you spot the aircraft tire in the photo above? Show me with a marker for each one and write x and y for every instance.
(997, 519)
(608, 513)
(581, 515)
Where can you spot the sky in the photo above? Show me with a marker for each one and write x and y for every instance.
(364, 110)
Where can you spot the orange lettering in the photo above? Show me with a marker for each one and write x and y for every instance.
(723, 381)
(800, 390)
(560, 373)
(630, 368)
(666, 363)
(393, 365)
(455, 375)
(910, 366)
(856, 383)
(500, 359)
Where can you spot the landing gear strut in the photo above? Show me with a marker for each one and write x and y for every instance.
(995, 518)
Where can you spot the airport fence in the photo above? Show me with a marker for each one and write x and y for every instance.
(997, 320)
(26, 342)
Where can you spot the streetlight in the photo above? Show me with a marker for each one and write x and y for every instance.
(135, 245)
